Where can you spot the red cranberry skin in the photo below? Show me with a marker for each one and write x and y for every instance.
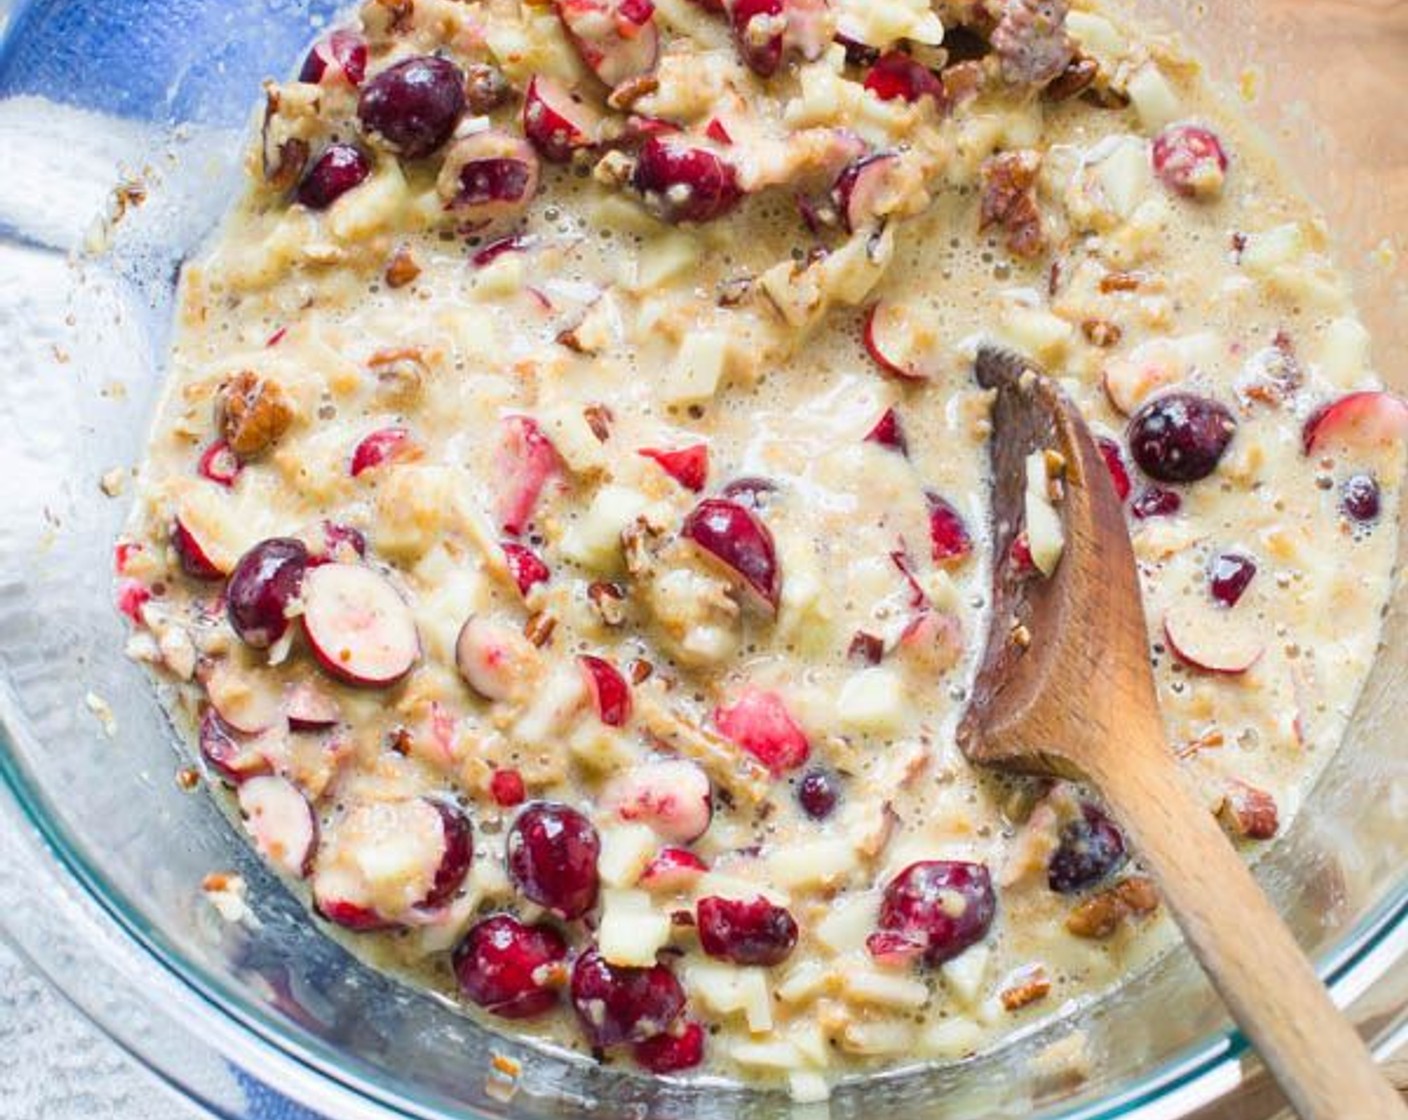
(750, 493)
(889, 432)
(671, 1053)
(747, 933)
(551, 854)
(1155, 501)
(1229, 575)
(225, 754)
(1182, 152)
(333, 535)
(818, 793)
(484, 181)
(730, 532)
(507, 789)
(525, 566)
(264, 582)
(1360, 498)
(762, 56)
(948, 535)
(1114, 460)
(338, 170)
(618, 1005)
(1180, 437)
(691, 184)
(897, 75)
(219, 464)
(414, 105)
(457, 857)
(508, 968)
(1091, 848)
(920, 903)
(345, 50)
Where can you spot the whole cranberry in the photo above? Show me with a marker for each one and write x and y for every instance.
(671, 1052)
(264, 582)
(342, 53)
(686, 184)
(942, 906)
(1180, 437)
(414, 106)
(617, 1004)
(340, 168)
(1155, 501)
(510, 969)
(754, 932)
(1359, 498)
(818, 792)
(1091, 847)
(552, 853)
(1229, 575)
(457, 854)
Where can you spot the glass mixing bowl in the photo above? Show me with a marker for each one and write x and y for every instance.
(102, 855)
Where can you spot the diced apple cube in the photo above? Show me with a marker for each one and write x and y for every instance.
(572, 438)
(1271, 249)
(1095, 35)
(553, 708)
(632, 931)
(666, 258)
(1045, 537)
(964, 976)
(952, 1038)
(372, 207)
(884, 989)
(807, 1087)
(594, 541)
(879, 1037)
(1123, 176)
(726, 990)
(1153, 98)
(1034, 331)
(1344, 351)
(602, 749)
(414, 501)
(803, 982)
(777, 1055)
(811, 1041)
(818, 863)
(625, 851)
(873, 701)
(698, 368)
(850, 922)
(737, 889)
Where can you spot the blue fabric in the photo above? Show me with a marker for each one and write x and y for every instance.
(264, 1103)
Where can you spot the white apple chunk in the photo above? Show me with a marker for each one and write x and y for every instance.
(1045, 535)
(672, 797)
(495, 659)
(632, 931)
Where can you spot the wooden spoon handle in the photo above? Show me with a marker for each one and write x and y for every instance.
(1271, 989)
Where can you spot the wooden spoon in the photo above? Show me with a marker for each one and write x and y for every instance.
(1065, 688)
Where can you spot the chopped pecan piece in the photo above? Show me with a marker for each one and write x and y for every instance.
(1101, 332)
(1120, 282)
(1074, 79)
(632, 90)
(402, 268)
(252, 413)
(1009, 201)
(539, 628)
(599, 418)
(1031, 985)
(401, 373)
(962, 82)
(1248, 813)
(608, 600)
(1101, 914)
(485, 88)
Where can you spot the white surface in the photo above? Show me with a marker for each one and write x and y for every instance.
(55, 1066)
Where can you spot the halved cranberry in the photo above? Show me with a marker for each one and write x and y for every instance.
(1180, 437)
(1114, 460)
(1229, 574)
(515, 243)
(759, 723)
(507, 789)
(331, 541)
(1190, 160)
(889, 432)
(897, 75)
(558, 121)
(671, 1052)
(414, 105)
(942, 906)
(456, 856)
(227, 753)
(340, 168)
(264, 582)
(219, 464)
(488, 176)
(732, 535)
(552, 852)
(948, 535)
(523, 463)
(685, 184)
(758, 27)
(343, 54)
(749, 933)
(863, 188)
(672, 869)
(383, 446)
(617, 39)
(618, 1004)
(893, 950)
(192, 555)
(1091, 847)
(525, 565)
(611, 695)
(818, 792)
(689, 466)
(1360, 499)
(510, 969)
(1155, 501)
